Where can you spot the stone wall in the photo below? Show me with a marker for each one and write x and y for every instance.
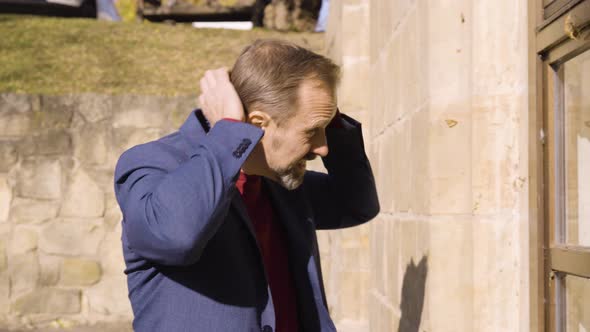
(61, 259)
(442, 89)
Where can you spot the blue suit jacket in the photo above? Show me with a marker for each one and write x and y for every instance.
(192, 260)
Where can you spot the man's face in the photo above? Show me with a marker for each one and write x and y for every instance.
(289, 145)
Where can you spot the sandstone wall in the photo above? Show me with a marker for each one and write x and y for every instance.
(61, 259)
(441, 87)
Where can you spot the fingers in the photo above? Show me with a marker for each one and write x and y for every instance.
(218, 97)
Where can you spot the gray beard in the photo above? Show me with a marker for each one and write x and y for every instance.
(289, 179)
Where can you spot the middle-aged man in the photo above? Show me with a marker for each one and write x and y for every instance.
(220, 217)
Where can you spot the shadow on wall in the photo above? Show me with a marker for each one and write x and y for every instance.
(413, 295)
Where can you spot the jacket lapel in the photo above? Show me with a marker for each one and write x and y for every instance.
(293, 212)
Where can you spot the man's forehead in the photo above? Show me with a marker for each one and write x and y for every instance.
(317, 101)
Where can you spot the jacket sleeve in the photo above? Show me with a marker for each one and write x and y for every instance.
(347, 195)
(173, 204)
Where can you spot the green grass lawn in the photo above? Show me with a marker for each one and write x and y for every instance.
(57, 56)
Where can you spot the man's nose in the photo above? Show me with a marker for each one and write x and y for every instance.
(321, 151)
(321, 146)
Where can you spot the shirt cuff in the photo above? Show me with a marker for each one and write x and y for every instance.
(231, 119)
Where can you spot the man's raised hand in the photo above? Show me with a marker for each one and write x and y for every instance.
(219, 98)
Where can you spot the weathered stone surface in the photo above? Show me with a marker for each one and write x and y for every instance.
(56, 112)
(83, 197)
(141, 111)
(5, 198)
(109, 297)
(23, 240)
(24, 210)
(14, 123)
(8, 155)
(91, 144)
(125, 138)
(49, 300)
(53, 142)
(24, 272)
(39, 178)
(4, 293)
(113, 215)
(79, 272)
(50, 268)
(3, 264)
(111, 253)
(72, 238)
(11, 102)
(94, 107)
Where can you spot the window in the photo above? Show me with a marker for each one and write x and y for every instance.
(563, 44)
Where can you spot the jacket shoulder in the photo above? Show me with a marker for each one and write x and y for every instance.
(161, 154)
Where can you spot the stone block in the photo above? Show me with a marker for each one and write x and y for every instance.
(392, 259)
(72, 238)
(449, 275)
(497, 242)
(110, 297)
(8, 155)
(79, 272)
(49, 300)
(16, 123)
(16, 116)
(419, 163)
(408, 66)
(91, 144)
(56, 113)
(449, 54)
(113, 215)
(24, 272)
(352, 93)
(53, 142)
(353, 295)
(401, 166)
(392, 85)
(3, 263)
(450, 153)
(378, 259)
(141, 111)
(4, 293)
(382, 316)
(111, 253)
(23, 240)
(83, 197)
(32, 211)
(103, 177)
(386, 175)
(50, 269)
(16, 102)
(5, 198)
(355, 26)
(408, 237)
(125, 138)
(39, 178)
(496, 165)
(95, 107)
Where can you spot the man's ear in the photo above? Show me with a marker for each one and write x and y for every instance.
(259, 119)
